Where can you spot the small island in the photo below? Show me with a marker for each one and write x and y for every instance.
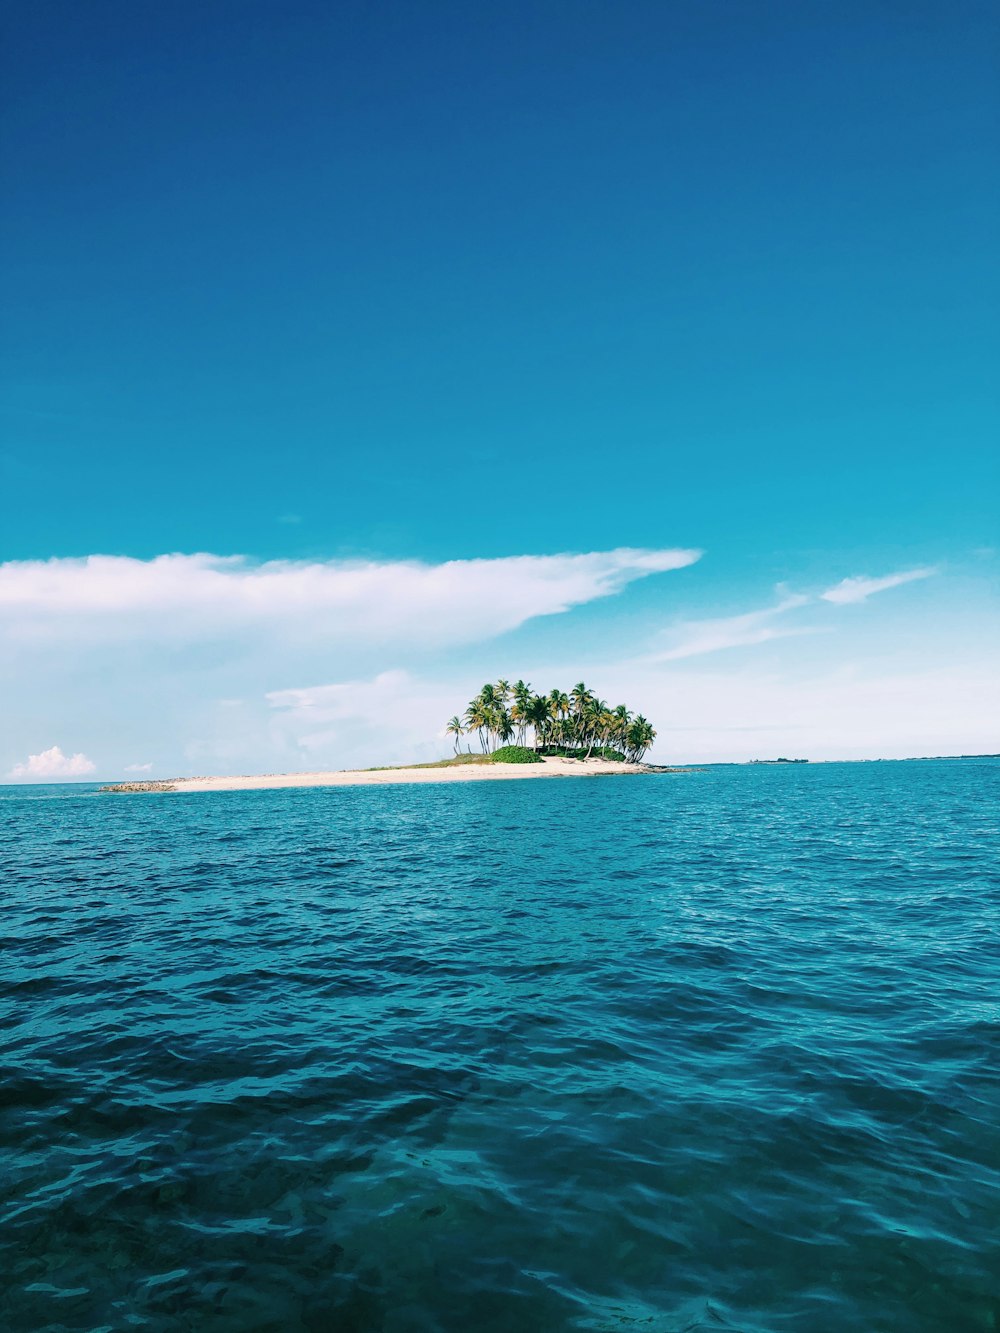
(778, 761)
(571, 735)
(577, 725)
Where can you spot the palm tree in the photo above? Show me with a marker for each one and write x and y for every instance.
(504, 726)
(605, 722)
(576, 722)
(622, 720)
(538, 716)
(476, 719)
(593, 713)
(580, 697)
(481, 715)
(456, 729)
(648, 737)
(640, 737)
(519, 712)
(557, 705)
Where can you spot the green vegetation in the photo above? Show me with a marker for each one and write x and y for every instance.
(515, 754)
(578, 725)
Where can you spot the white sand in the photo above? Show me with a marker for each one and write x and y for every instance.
(548, 768)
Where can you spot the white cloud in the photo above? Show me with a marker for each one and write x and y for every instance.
(365, 721)
(53, 764)
(190, 657)
(163, 650)
(341, 699)
(695, 637)
(138, 768)
(186, 597)
(858, 589)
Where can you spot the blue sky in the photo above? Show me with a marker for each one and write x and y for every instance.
(444, 283)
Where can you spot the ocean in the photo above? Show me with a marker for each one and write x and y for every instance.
(717, 1050)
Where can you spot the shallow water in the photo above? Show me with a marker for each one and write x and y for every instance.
(714, 1051)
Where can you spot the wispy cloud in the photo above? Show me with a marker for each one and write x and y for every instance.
(860, 588)
(693, 638)
(138, 768)
(53, 764)
(698, 637)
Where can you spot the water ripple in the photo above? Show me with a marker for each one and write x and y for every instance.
(713, 1052)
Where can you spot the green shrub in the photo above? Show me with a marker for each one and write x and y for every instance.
(515, 754)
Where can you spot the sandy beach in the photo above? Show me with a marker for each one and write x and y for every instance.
(474, 772)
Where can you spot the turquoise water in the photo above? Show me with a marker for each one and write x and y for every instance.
(714, 1051)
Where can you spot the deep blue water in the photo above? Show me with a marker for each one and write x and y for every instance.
(712, 1051)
